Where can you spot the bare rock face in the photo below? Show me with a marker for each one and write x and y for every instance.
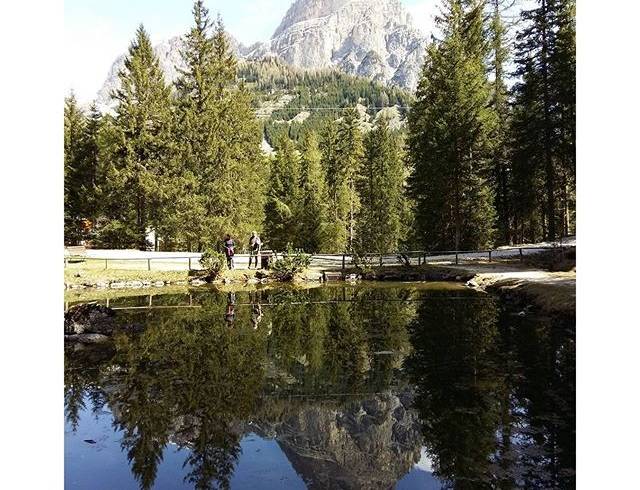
(375, 39)
(371, 38)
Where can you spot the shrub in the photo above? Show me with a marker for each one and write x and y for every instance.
(214, 262)
(291, 263)
(364, 263)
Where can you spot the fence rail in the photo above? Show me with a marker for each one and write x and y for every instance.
(341, 261)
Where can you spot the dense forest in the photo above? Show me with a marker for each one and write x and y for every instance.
(482, 154)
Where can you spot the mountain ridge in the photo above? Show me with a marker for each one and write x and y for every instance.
(374, 39)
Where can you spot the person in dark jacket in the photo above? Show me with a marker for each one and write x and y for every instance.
(229, 251)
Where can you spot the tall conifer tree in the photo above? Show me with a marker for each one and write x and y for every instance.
(450, 127)
(283, 202)
(314, 203)
(143, 122)
(350, 155)
(74, 127)
(382, 191)
(500, 158)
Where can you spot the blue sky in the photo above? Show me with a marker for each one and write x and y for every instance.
(97, 31)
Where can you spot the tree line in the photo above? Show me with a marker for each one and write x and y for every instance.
(479, 163)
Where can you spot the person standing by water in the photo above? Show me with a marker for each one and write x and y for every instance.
(229, 251)
(255, 244)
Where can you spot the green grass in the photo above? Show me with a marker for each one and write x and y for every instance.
(79, 275)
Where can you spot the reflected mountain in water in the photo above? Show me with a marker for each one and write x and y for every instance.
(353, 383)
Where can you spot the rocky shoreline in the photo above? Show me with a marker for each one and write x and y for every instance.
(548, 292)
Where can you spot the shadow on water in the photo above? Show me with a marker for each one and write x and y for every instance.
(334, 387)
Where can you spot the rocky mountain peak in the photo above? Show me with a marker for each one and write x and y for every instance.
(375, 39)
(370, 38)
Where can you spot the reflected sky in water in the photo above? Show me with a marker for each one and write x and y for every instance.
(392, 386)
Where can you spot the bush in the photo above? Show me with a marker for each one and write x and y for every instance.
(214, 262)
(365, 264)
(291, 263)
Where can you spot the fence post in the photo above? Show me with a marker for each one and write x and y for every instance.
(344, 259)
(105, 264)
(521, 257)
(380, 260)
(189, 263)
(65, 262)
(419, 260)
(489, 255)
(456, 258)
(148, 264)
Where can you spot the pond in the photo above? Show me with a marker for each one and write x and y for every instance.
(369, 386)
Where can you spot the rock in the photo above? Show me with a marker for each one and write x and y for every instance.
(472, 284)
(313, 276)
(89, 318)
(118, 285)
(253, 280)
(352, 278)
(102, 284)
(375, 39)
(77, 286)
(158, 284)
(180, 283)
(87, 338)
(146, 284)
(134, 284)
(332, 276)
(198, 282)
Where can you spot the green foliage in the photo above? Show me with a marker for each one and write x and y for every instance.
(450, 127)
(382, 220)
(284, 196)
(214, 262)
(544, 122)
(140, 166)
(115, 234)
(314, 202)
(290, 263)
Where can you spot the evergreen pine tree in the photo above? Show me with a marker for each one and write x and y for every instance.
(546, 66)
(350, 155)
(449, 131)
(314, 202)
(74, 127)
(382, 191)
(337, 230)
(283, 202)
(501, 171)
(142, 157)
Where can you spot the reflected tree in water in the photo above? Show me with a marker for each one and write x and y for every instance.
(187, 380)
(456, 383)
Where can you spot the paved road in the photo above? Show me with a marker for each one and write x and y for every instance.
(120, 259)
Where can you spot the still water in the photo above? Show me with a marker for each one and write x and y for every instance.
(364, 387)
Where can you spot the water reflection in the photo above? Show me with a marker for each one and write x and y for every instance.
(357, 385)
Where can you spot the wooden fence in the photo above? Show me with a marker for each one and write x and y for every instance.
(326, 261)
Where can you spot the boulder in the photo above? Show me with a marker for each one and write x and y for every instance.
(86, 338)
(134, 284)
(198, 282)
(89, 318)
